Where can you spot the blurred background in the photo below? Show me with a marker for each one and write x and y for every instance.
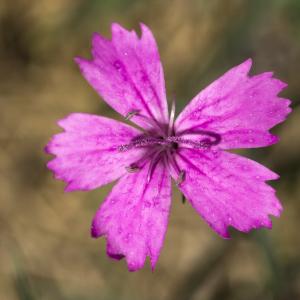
(45, 249)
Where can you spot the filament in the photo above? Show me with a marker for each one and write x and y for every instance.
(153, 163)
(149, 121)
(172, 117)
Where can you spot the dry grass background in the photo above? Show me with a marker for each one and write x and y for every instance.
(45, 248)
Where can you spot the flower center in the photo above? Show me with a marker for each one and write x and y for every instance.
(163, 145)
(160, 147)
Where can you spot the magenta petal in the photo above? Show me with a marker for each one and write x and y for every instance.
(128, 74)
(238, 107)
(87, 154)
(228, 190)
(134, 217)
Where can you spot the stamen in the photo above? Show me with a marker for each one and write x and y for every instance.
(133, 168)
(181, 177)
(171, 162)
(153, 163)
(153, 123)
(131, 114)
(172, 117)
(137, 166)
(183, 199)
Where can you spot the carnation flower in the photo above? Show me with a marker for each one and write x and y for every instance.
(235, 111)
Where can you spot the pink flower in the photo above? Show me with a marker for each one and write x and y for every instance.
(235, 111)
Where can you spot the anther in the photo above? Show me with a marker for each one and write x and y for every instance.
(133, 168)
(131, 114)
(183, 199)
(181, 177)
